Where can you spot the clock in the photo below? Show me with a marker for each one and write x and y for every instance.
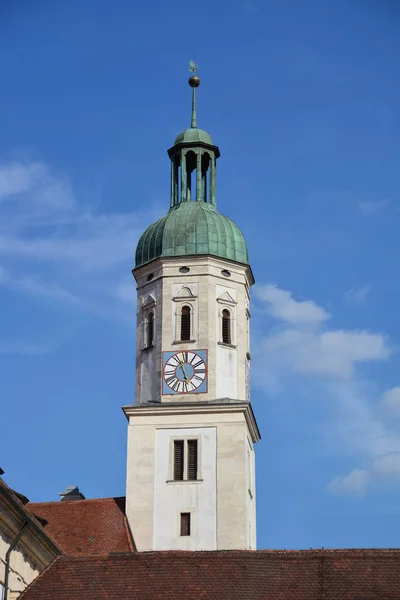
(185, 372)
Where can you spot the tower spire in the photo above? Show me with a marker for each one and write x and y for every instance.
(194, 83)
(193, 156)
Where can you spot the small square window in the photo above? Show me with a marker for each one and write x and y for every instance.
(185, 524)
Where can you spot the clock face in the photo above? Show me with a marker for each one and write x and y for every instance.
(185, 372)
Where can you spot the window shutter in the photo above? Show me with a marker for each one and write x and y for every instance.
(185, 323)
(226, 327)
(192, 460)
(185, 524)
(178, 460)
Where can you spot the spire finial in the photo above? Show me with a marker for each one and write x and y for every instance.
(194, 82)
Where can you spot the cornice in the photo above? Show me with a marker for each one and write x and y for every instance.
(215, 407)
(159, 262)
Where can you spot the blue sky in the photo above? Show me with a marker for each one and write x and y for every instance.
(303, 100)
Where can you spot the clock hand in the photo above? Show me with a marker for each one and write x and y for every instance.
(184, 372)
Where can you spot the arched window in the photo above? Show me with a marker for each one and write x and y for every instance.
(226, 327)
(185, 323)
(150, 330)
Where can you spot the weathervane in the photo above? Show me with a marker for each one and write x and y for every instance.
(193, 67)
(194, 82)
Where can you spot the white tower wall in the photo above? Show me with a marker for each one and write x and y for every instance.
(221, 501)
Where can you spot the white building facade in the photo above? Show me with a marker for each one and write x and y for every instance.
(25, 549)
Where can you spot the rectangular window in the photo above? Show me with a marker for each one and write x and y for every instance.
(185, 524)
(178, 460)
(192, 460)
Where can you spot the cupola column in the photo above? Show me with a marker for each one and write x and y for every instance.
(174, 180)
(204, 190)
(173, 199)
(183, 176)
(198, 175)
(213, 181)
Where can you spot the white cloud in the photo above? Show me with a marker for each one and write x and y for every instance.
(387, 467)
(55, 248)
(16, 178)
(313, 350)
(33, 188)
(281, 305)
(40, 220)
(95, 242)
(390, 402)
(336, 353)
(353, 484)
(364, 433)
(357, 295)
(383, 469)
(370, 207)
(357, 428)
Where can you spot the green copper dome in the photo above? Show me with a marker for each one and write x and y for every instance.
(193, 134)
(192, 228)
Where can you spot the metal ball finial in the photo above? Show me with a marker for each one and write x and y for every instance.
(194, 81)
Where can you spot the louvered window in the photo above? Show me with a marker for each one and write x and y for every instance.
(226, 327)
(185, 323)
(179, 446)
(192, 460)
(150, 330)
(185, 460)
(185, 524)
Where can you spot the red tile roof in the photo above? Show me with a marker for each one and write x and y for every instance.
(86, 527)
(223, 575)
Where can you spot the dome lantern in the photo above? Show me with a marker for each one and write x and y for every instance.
(193, 159)
(193, 225)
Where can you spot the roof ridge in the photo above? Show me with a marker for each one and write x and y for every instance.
(196, 554)
(190, 554)
(59, 503)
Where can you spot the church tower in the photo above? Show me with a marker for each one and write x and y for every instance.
(191, 433)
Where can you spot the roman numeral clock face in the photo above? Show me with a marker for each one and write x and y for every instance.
(185, 372)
